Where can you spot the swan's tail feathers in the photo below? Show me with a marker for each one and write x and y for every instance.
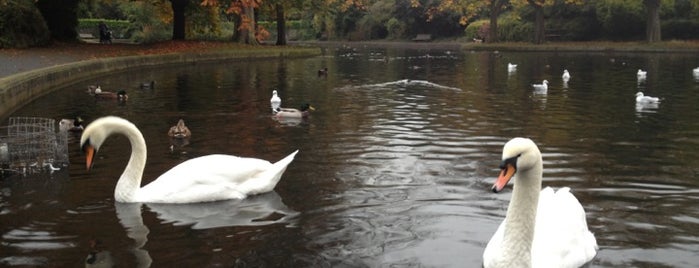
(274, 174)
(286, 161)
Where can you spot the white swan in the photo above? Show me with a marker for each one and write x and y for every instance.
(565, 76)
(542, 228)
(640, 98)
(202, 179)
(544, 86)
(275, 101)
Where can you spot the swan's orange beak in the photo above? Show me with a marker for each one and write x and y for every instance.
(89, 155)
(506, 172)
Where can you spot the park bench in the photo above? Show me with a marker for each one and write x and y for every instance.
(422, 37)
(86, 36)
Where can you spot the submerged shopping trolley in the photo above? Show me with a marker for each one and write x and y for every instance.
(30, 145)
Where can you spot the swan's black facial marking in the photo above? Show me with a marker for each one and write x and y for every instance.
(85, 145)
(90, 152)
(512, 161)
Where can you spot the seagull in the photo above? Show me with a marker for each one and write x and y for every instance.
(543, 86)
(511, 67)
(566, 75)
(640, 98)
(275, 101)
(641, 74)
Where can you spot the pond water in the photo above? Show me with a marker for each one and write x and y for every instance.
(395, 164)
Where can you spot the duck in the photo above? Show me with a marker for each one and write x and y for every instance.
(180, 131)
(566, 75)
(641, 74)
(119, 95)
(97, 257)
(303, 112)
(91, 89)
(640, 98)
(72, 125)
(148, 85)
(542, 228)
(275, 101)
(511, 67)
(541, 87)
(203, 179)
(323, 72)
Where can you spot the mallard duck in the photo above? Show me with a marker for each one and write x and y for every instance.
(305, 111)
(179, 131)
(73, 125)
(119, 95)
(542, 228)
(148, 85)
(323, 72)
(203, 179)
(91, 89)
(98, 257)
(275, 101)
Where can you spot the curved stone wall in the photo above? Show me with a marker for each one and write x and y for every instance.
(20, 89)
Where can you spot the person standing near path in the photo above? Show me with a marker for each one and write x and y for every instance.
(105, 34)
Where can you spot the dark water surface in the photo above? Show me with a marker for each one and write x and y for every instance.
(395, 164)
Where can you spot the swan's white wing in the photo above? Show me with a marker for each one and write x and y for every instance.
(493, 248)
(214, 177)
(561, 237)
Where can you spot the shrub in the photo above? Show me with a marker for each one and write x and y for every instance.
(21, 24)
(680, 29)
(473, 30)
(511, 28)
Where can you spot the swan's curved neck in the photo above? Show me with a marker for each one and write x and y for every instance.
(521, 217)
(130, 181)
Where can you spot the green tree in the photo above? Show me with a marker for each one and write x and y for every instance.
(468, 9)
(21, 24)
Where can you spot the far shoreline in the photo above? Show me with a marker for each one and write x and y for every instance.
(675, 46)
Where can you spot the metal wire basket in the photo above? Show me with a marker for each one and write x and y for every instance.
(31, 145)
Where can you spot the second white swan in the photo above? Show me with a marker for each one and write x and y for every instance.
(202, 179)
(542, 228)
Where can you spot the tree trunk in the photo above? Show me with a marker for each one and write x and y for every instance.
(495, 8)
(178, 24)
(653, 21)
(247, 28)
(540, 30)
(281, 25)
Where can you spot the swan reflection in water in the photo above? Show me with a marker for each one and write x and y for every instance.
(263, 209)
